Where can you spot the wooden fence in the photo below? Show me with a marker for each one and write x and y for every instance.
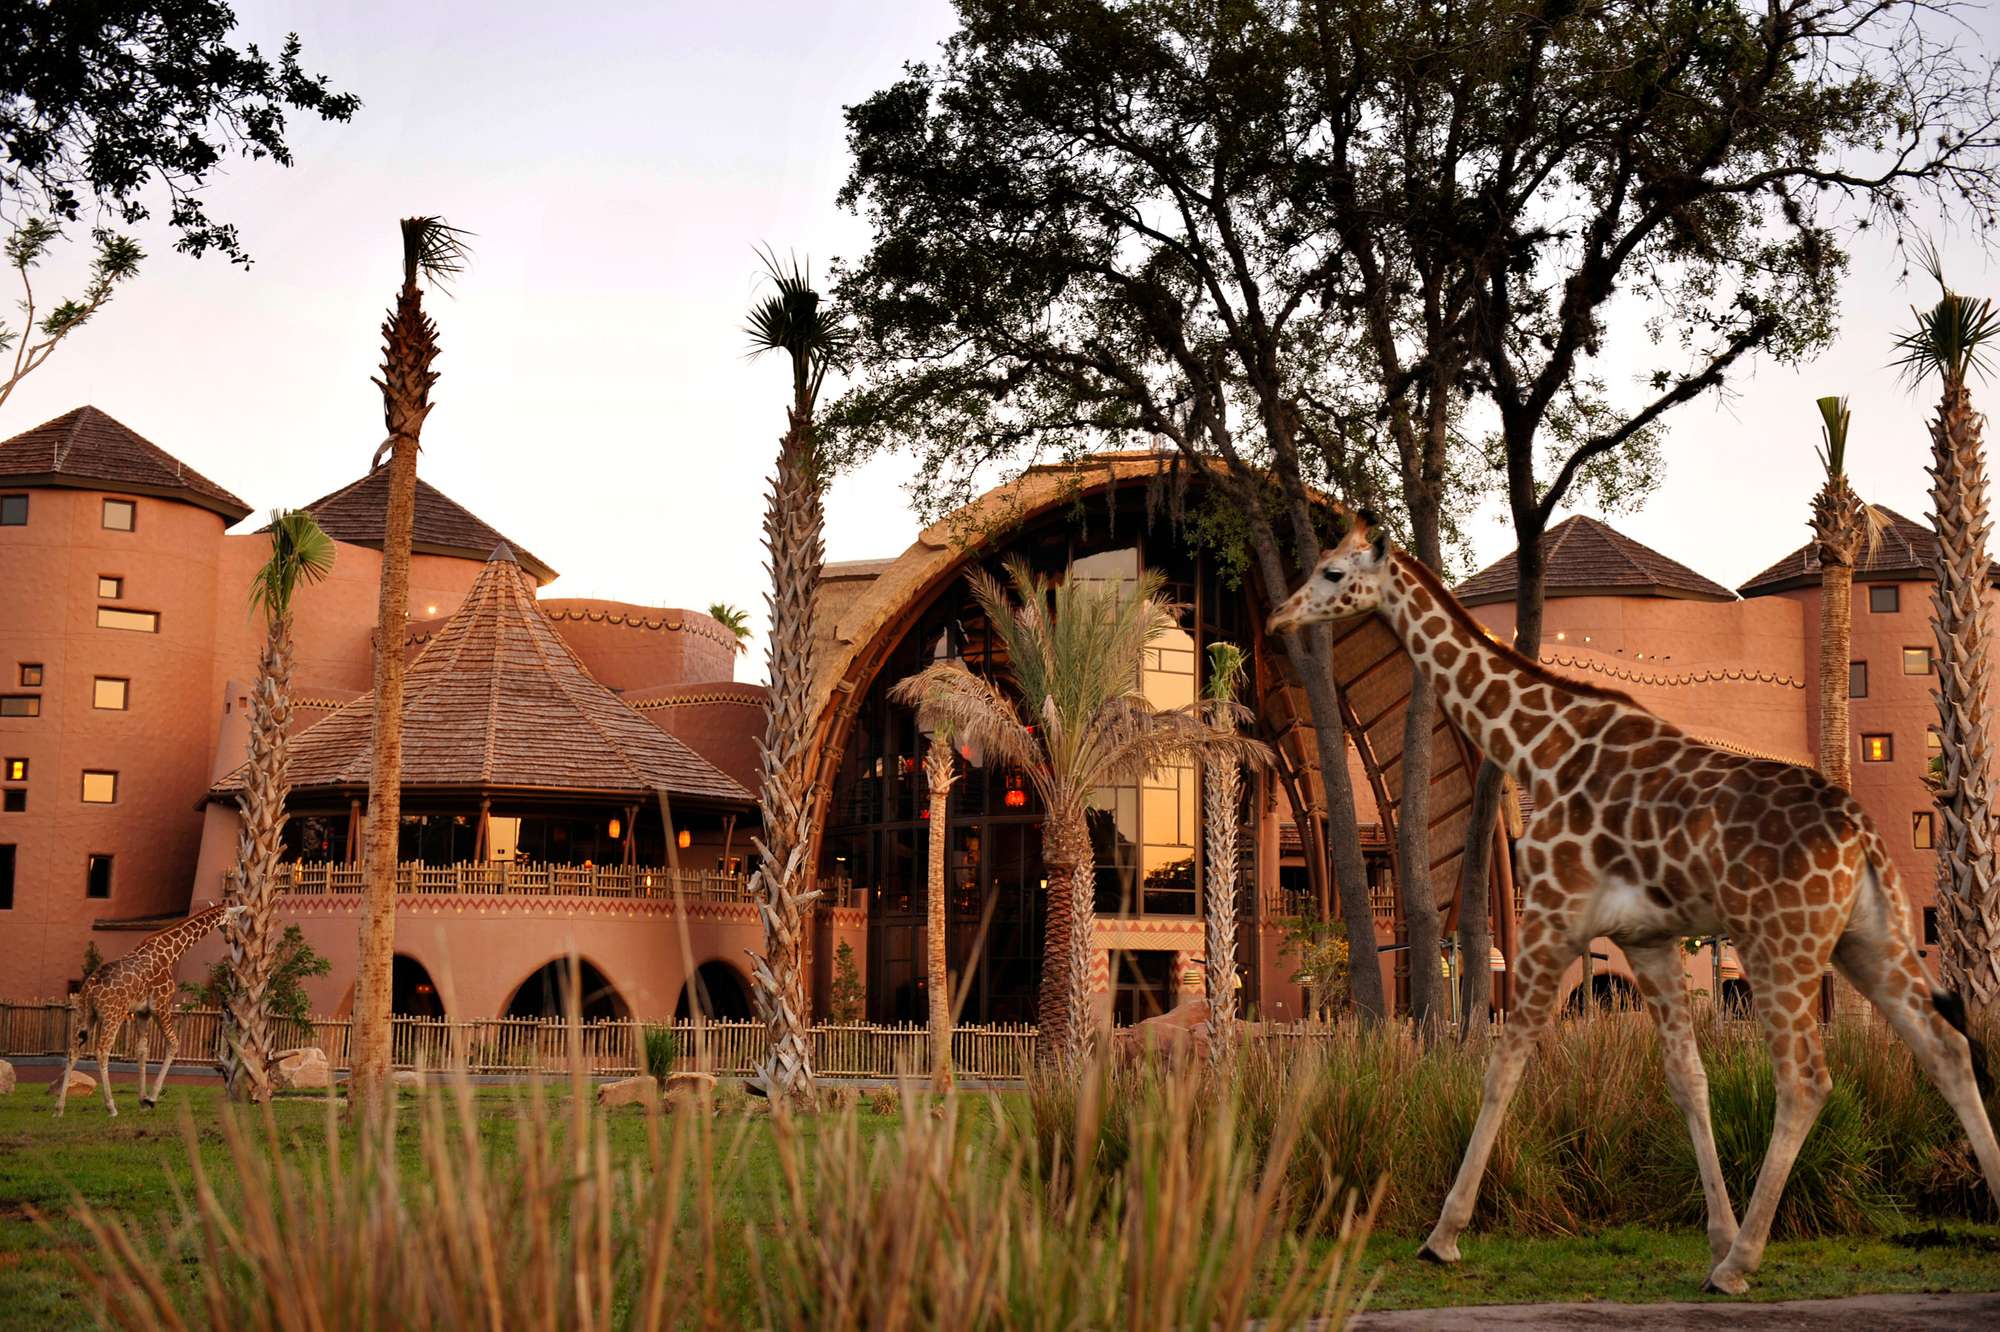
(522, 1045)
(517, 878)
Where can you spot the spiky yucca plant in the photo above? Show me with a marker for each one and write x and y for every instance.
(1222, 825)
(940, 771)
(1081, 722)
(1838, 525)
(793, 321)
(300, 553)
(433, 251)
(1950, 340)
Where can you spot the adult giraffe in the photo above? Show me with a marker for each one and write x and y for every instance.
(1645, 836)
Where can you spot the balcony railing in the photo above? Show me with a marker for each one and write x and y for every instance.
(503, 878)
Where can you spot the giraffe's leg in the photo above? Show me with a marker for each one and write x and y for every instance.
(105, 1036)
(1663, 984)
(1798, 1063)
(78, 1041)
(140, 1035)
(168, 1029)
(1544, 957)
(1885, 967)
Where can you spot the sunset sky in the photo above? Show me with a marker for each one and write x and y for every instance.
(619, 163)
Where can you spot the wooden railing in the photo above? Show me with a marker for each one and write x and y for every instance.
(523, 1045)
(504, 878)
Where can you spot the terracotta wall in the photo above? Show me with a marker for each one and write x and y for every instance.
(627, 646)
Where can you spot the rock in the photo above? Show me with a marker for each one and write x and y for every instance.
(6, 1078)
(301, 1068)
(641, 1090)
(80, 1084)
(407, 1079)
(690, 1083)
(1179, 1033)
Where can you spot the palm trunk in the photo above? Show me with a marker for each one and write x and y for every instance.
(939, 771)
(1222, 798)
(1836, 637)
(1064, 1004)
(1968, 901)
(246, 1041)
(793, 534)
(410, 346)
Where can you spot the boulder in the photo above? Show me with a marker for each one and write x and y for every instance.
(690, 1083)
(1179, 1033)
(407, 1079)
(629, 1091)
(6, 1078)
(80, 1083)
(301, 1068)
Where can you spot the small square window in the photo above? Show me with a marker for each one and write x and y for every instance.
(139, 622)
(97, 882)
(16, 769)
(120, 515)
(1857, 679)
(7, 877)
(1933, 743)
(13, 510)
(1885, 598)
(1916, 661)
(110, 588)
(20, 705)
(1923, 830)
(1878, 748)
(31, 675)
(100, 788)
(110, 693)
(14, 800)
(1930, 925)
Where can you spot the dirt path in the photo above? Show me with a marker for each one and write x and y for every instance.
(1874, 1313)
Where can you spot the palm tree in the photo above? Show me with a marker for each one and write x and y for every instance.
(793, 321)
(1950, 339)
(1838, 522)
(733, 618)
(940, 771)
(300, 553)
(434, 251)
(1222, 821)
(1072, 662)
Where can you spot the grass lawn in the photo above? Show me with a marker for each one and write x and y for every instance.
(133, 1165)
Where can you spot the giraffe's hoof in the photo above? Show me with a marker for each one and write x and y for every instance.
(147, 1105)
(1719, 1284)
(1428, 1254)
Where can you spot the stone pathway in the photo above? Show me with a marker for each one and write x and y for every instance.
(1875, 1313)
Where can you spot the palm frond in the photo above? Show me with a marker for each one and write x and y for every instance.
(301, 552)
(1226, 663)
(733, 618)
(434, 249)
(971, 709)
(795, 320)
(1951, 337)
(1834, 418)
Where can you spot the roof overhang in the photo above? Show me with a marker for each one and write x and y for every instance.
(231, 513)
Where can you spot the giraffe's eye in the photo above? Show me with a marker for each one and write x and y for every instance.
(1333, 576)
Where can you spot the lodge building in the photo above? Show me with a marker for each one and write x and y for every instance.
(580, 775)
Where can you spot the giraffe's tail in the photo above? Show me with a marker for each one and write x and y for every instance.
(1951, 1007)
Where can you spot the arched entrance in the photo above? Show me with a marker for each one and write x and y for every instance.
(411, 990)
(718, 991)
(546, 994)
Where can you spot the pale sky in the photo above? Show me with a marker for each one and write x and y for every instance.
(619, 163)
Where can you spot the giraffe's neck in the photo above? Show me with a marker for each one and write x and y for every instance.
(1480, 684)
(168, 947)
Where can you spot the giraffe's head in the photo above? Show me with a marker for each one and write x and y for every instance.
(1347, 581)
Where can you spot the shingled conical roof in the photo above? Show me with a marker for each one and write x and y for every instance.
(1903, 548)
(1586, 558)
(86, 448)
(357, 514)
(498, 701)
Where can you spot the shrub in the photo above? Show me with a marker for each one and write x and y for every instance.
(886, 1101)
(659, 1049)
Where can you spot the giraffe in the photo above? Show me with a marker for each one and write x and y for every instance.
(137, 986)
(1644, 835)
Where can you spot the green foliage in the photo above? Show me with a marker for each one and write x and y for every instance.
(733, 618)
(117, 260)
(1320, 946)
(794, 320)
(285, 993)
(659, 1050)
(103, 105)
(848, 997)
(1951, 337)
(300, 553)
(434, 249)
(93, 961)
(1834, 419)
(1226, 664)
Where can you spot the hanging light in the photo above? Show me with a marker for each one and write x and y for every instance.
(1017, 794)
(684, 841)
(617, 828)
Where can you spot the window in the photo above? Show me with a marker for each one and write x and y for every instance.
(1930, 925)
(14, 800)
(1933, 743)
(6, 877)
(1885, 599)
(1923, 830)
(20, 705)
(139, 622)
(13, 510)
(97, 882)
(17, 770)
(31, 675)
(100, 788)
(1916, 661)
(109, 587)
(1878, 748)
(1857, 679)
(120, 515)
(109, 694)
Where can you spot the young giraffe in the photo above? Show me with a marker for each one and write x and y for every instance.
(137, 986)
(1646, 836)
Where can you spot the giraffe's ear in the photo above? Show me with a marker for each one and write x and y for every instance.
(1378, 549)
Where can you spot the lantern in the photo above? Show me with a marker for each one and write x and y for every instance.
(1017, 794)
(684, 841)
(617, 828)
